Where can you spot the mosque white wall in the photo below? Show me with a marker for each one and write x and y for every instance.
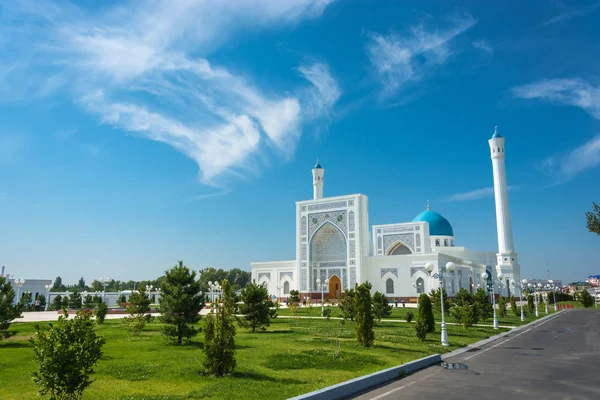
(277, 276)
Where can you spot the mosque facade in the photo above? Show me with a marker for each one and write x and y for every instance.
(336, 248)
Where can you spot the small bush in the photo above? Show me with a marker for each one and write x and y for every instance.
(502, 306)
(101, 313)
(409, 316)
(421, 328)
(426, 312)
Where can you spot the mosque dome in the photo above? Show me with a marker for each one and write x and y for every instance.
(438, 225)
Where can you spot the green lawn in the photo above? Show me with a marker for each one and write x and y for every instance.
(400, 314)
(284, 361)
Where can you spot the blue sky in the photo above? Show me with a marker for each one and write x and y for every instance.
(137, 134)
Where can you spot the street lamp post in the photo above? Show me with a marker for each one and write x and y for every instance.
(47, 287)
(522, 286)
(322, 287)
(18, 284)
(450, 267)
(490, 282)
(214, 287)
(104, 281)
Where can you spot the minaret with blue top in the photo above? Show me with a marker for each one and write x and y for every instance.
(507, 262)
(317, 174)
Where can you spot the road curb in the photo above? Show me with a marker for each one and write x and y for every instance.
(496, 337)
(366, 382)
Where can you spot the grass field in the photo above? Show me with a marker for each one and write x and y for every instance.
(283, 361)
(400, 314)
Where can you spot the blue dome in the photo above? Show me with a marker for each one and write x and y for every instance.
(438, 225)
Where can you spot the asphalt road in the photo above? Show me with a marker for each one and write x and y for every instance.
(558, 358)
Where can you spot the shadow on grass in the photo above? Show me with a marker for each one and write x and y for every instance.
(266, 378)
(14, 345)
(321, 359)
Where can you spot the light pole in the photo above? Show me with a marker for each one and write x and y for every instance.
(490, 283)
(18, 284)
(278, 290)
(214, 287)
(523, 285)
(47, 287)
(322, 287)
(417, 286)
(450, 267)
(104, 281)
(149, 289)
(538, 297)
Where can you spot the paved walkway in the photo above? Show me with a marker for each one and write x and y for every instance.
(557, 358)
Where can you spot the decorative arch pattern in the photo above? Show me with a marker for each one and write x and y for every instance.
(303, 227)
(398, 249)
(328, 244)
(351, 221)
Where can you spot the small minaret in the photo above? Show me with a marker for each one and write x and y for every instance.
(506, 258)
(317, 174)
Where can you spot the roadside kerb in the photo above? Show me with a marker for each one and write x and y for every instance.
(362, 383)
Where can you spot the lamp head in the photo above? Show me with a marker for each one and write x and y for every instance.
(318, 281)
(210, 283)
(500, 275)
(524, 281)
(512, 282)
(484, 275)
(450, 266)
(326, 281)
(429, 267)
(539, 285)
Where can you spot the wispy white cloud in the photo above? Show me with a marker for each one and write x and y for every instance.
(566, 166)
(398, 60)
(575, 92)
(484, 45)
(476, 194)
(146, 69)
(567, 15)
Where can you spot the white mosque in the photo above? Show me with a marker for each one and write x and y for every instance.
(334, 244)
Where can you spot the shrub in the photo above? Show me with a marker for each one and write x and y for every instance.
(57, 303)
(88, 301)
(409, 316)
(421, 329)
(381, 307)
(435, 300)
(66, 353)
(364, 315)
(101, 312)
(8, 311)
(138, 311)
(219, 335)
(513, 306)
(346, 304)
(586, 298)
(121, 299)
(75, 300)
(425, 312)
(180, 303)
(502, 306)
(256, 308)
(483, 305)
(530, 303)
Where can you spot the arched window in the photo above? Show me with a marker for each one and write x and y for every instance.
(446, 242)
(437, 242)
(452, 287)
(420, 286)
(328, 244)
(459, 279)
(286, 288)
(399, 249)
(389, 286)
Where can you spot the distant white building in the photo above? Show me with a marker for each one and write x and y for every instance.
(334, 242)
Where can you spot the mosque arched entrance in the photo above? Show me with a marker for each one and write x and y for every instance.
(335, 287)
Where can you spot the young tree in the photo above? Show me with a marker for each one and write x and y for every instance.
(138, 310)
(435, 298)
(75, 300)
(513, 306)
(502, 307)
(530, 303)
(180, 303)
(364, 315)
(294, 304)
(66, 353)
(25, 302)
(381, 307)
(483, 305)
(593, 219)
(256, 307)
(88, 301)
(121, 299)
(219, 335)
(42, 300)
(8, 311)
(58, 285)
(57, 302)
(586, 298)
(464, 310)
(421, 329)
(346, 304)
(101, 312)
(81, 284)
(425, 312)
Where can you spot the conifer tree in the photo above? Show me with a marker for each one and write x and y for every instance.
(256, 307)
(180, 303)
(502, 306)
(364, 315)
(483, 305)
(425, 312)
(8, 311)
(381, 307)
(219, 335)
(513, 306)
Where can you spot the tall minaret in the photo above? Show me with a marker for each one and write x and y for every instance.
(318, 173)
(506, 258)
